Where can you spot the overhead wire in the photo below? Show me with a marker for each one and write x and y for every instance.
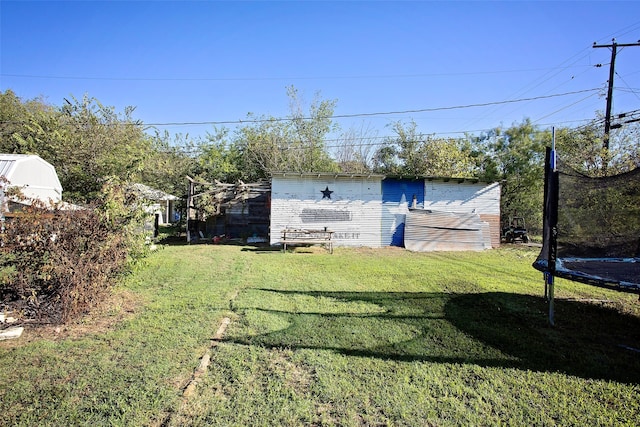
(206, 79)
(580, 55)
(627, 85)
(348, 142)
(379, 113)
(536, 83)
(339, 116)
(564, 108)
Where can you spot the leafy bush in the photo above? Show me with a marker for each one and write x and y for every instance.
(56, 263)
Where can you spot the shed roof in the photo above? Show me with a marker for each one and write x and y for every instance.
(10, 162)
(328, 174)
(471, 180)
(35, 176)
(460, 180)
(151, 194)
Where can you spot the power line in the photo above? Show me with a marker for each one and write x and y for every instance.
(543, 79)
(223, 79)
(343, 116)
(583, 53)
(340, 116)
(635, 92)
(370, 141)
(614, 48)
(565, 107)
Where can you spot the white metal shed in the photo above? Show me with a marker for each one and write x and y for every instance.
(370, 210)
(350, 205)
(36, 178)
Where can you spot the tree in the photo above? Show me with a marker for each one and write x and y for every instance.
(412, 153)
(219, 158)
(354, 151)
(308, 133)
(85, 141)
(296, 143)
(582, 148)
(19, 120)
(168, 162)
(517, 154)
(448, 157)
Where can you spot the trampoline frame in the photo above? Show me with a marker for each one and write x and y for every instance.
(553, 266)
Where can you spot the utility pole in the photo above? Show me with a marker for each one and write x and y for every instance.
(607, 119)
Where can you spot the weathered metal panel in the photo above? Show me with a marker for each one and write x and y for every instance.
(349, 206)
(398, 195)
(494, 228)
(445, 231)
(465, 197)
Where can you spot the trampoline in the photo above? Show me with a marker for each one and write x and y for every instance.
(591, 228)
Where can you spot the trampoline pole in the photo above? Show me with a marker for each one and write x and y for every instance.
(549, 283)
(553, 235)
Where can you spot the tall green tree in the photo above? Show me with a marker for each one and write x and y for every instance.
(517, 154)
(219, 159)
(24, 124)
(584, 150)
(296, 143)
(412, 153)
(97, 142)
(86, 141)
(168, 162)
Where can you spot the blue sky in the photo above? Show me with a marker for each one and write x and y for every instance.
(211, 61)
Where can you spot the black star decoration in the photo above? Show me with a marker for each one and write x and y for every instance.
(326, 193)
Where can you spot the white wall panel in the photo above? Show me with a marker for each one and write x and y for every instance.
(353, 210)
(464, 197)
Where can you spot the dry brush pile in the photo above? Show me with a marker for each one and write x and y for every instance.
(56, 264)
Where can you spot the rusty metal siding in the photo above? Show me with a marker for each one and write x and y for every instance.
(494, 228)
(466, 197)
(397, 198)
(445, 231)
(349, 206)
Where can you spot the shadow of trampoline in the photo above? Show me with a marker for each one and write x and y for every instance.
(487, 329)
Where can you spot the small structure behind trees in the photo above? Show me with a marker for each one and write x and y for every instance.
(31, 176)
(217, 210)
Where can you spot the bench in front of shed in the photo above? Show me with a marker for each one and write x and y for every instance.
(296, 236)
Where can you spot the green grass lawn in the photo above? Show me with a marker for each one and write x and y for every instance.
(360, 337)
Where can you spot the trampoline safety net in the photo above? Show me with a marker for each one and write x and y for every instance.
(591, 230)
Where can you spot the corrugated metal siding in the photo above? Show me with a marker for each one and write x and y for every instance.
(445, 231)
(397, 198)
(353, 210)
(494, 228)
(466, 197)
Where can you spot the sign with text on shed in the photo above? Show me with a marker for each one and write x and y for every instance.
(348, 204)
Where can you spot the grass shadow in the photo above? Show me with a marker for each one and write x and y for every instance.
(590, 340)
(488, 329)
